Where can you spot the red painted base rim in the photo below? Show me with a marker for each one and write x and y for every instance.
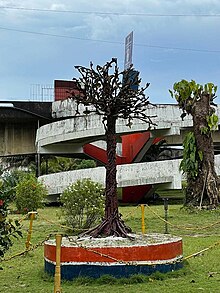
(145, 248)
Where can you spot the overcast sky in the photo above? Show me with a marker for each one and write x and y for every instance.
(167, 47)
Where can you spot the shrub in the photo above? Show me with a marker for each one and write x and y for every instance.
(83, 203)
(8, 228)
(10, 179)
(30, 194)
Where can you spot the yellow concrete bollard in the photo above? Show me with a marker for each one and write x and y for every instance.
(57, 276)
(142, 219)
(32, 216)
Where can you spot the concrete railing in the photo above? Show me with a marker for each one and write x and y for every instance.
(127, 175)
(159, 172)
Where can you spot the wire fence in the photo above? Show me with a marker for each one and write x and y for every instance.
(42, 92)
(58, 240)
(66, 229)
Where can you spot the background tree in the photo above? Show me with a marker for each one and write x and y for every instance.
(112, 94)
(198, 157)
(54, 164)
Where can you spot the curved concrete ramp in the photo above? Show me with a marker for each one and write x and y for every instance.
(84, 129)
(166, 172)
(159, 172)
(69, 135)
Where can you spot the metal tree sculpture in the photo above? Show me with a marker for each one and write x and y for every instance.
(111, 94)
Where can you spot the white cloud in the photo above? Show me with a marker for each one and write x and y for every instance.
(40, 57)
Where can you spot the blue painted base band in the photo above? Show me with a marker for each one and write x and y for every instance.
(69, 272)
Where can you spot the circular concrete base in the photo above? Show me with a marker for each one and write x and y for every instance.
(114, 256)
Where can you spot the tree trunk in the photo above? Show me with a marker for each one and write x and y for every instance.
(111, 202)
(203, 190)
(112, 224)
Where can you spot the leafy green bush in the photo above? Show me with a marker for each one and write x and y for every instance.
(10, 179)
(8, 228)
(191, 156)
(30, 194)
(83, 203)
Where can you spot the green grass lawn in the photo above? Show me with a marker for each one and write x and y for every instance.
(200, 274)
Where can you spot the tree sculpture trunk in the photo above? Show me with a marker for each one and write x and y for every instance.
(203, 190)
(112, 224)
(111, 203)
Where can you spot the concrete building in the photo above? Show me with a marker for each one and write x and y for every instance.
(85, 134)
(53, 128)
